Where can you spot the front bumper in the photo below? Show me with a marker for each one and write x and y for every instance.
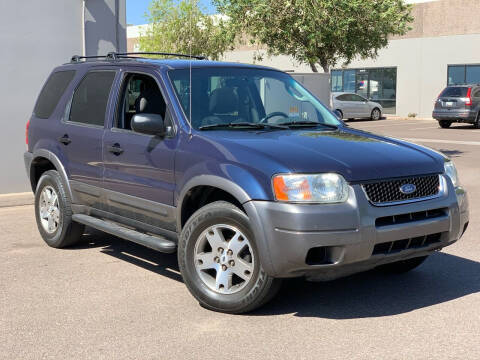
(467, 116)
(344, 236)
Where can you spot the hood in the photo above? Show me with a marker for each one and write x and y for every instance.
(355, 154)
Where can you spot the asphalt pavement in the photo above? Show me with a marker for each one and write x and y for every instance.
(110, 299)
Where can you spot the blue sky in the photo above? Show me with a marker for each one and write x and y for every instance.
(136, 9)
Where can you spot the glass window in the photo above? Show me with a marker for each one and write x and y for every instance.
(473, 74)
(357, 98)
(140, 95)
(456, 75)
(337, 80)
(90, 100)
(477, 93)
(376, 84)
(52, 92)
(349, 81)
(459, 91)
(343, 97)
(231, 95)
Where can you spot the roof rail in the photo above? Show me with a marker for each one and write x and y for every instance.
(126, 55)
(115, 56)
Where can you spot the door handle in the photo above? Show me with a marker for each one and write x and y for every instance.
(65, 140)
(115, 149)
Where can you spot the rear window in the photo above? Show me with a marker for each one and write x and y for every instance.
(454, 92)
(51, 93)
(90, 100)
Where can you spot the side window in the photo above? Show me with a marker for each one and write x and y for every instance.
(357, 98)
(51, 93)
(140, 94)
(476, 94)
(90, 100)
(343, 97)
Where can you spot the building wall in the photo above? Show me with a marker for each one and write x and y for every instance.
(35, 37)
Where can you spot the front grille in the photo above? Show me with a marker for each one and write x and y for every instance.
(404, 244)
(410, 217)
(388, 191)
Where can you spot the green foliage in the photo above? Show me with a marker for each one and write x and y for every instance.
(323, 32)
(182, 27)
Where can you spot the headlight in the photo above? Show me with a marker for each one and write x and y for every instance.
(451, 172)
(320, 188)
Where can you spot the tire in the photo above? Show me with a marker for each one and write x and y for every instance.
(444, 124)
(340, 113)
(376, 114)
(476, 124)
(208, 228)
(403, 266)
(64, 232)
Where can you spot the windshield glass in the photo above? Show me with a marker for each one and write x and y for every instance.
(230, 95)
(454, 92)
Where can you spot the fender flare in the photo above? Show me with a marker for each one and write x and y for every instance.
(214, 181)
(50, 156)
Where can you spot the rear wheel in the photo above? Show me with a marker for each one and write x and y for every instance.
(219, 260)
(376, 114)
(476, 124)
(444, 124)
(53, 212)
(403, 266)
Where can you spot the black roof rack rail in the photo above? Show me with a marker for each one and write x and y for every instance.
(115, 56)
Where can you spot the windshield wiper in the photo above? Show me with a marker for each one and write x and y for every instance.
(306, 123)
(242, 125)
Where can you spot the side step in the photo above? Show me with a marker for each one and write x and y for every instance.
(152, 242)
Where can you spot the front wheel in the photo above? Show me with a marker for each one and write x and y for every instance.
(219, 260)
(402, 266)
(376, 114)
(444, 124)
(476, 124)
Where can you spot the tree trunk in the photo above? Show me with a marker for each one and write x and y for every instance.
(313, 67)
(325, 66)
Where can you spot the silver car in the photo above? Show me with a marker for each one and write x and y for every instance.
(353, 106)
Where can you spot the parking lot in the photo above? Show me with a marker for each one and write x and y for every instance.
(108, 298)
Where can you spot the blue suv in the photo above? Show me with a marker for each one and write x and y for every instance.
(238, 169)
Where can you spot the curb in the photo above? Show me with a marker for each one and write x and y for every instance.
(16, 199)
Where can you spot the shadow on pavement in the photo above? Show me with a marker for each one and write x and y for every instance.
(441, 278)
(452, 153)
(162, 264)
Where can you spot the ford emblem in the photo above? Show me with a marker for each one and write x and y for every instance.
(408, 189)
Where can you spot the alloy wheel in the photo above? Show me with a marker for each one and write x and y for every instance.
(49, 209)
(224, 259)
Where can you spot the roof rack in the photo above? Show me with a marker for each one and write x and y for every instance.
(115, 56)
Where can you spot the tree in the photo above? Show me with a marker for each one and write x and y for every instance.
(318, 32)
(182, 27)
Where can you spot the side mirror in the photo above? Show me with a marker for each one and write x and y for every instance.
(338, 114)
(150, 124)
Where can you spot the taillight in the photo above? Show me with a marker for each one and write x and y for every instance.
(26, 132)
(468, 101)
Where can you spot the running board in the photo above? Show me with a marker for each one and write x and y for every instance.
(153, 242)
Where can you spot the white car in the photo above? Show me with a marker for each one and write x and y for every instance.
(353, 106)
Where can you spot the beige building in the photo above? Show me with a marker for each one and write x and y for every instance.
(442, 48)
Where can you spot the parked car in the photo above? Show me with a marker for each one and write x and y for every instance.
(354, 106)
(252, 181)
(460, 103)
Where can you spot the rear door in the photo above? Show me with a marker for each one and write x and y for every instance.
(452, 99)
(81, 134)
(139, 169)
(344, 103)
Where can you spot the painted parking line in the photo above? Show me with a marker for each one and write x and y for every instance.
(457, 142)
(429, 127)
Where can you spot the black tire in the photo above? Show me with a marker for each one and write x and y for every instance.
(340, 113)
(403, 266)
(444, 124)
(258, 290)
(476, 124)
(67, 231)
(376, 114)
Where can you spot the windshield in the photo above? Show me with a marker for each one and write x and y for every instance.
(241, 95)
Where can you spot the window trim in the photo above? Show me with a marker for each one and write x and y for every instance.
(68, 108)
(112, 124)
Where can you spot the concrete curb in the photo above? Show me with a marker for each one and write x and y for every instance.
(16, 199)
